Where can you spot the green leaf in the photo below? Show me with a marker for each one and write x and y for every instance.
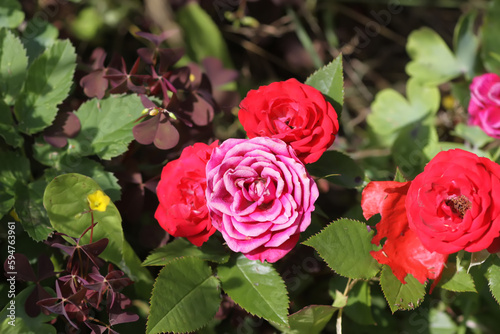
(472, 134)
(256, 287)
(7, 128)
(185, 297)
(106, 126)
(311, 319)
(30, 210)
(391, 112)
(203, 37)
(493, 276)
(401, 296)
(65, 200)
(13, 64)
(48, 81)
(329, 80)
(339, 168)
(106, 180)
(7, 201)
(432, 63)
(441, 323)
(24, 323)
(211, 250)
(15, 170)
(466, 43)
(11, 13)
(489, 32)
(359, 304)
(345, 246)
(410, 148)
(38, 36)
(456, 280)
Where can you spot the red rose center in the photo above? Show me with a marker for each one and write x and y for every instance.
(459, 205)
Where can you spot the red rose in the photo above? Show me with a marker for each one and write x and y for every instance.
(455, 203)
(183, 211)
(294, 112)
(402, 250)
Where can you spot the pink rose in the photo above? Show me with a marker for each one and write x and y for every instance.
(260, 196)
(484, 105)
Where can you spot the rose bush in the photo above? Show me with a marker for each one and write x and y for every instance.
(484, 105)
(182, 211)
(453, 205)
(260, 196)
(291, 111)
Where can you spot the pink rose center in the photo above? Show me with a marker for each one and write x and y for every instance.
(459, 205)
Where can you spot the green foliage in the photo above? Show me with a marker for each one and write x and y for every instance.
(38, 36)
(359, 304)
(345, 246)
(339, 168)
(7, 129)
(106, 126)
(401, 296)
(23, 322)
(493, 276)
(11, 14)
(185, 297)
(456, 279)
(211, 250)
(29, 208)
(311, 319)
(48, 81)
(472, 134)
(65, 200)
(391, 112)
(256, 287)
(466, 43)
(329, 80)
(491, 48)
(13, 63)
(433, 62)
(203, 37)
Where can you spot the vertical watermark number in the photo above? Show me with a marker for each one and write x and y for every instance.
(11, 272)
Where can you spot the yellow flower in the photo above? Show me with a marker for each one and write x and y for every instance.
(98, 200)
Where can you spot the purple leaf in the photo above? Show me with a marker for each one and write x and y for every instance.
(66, 125)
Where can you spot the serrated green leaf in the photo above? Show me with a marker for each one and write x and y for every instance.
(185, 297)
(7, 128)
(489, 32)
(311, 319)
(256, 287)
(493, 276)
(329, 80)
(401, 296)
(211, 250)
(11, 13)
(472, 134)
(30, 210)
(345, 246)
(359, 304)
(456, 280)
(15, 170)
(399, 177)
(47, 84)
(13, 64)
(7, 201)
(24, 323)
(432, 63)
(38, 36)
(65, 200)
(203, 37)
(391, 112)
(466, 43)
(339, 168)
(106, 126)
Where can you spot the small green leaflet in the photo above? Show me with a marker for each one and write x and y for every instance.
(13, 64)
(493, 276)
(11, 14)
(185, 297)
(211, 250)
(456, 280)
(345, 246)
(47, 84)
(311, 319)
(329, 80)
(257, 287)
(401, 296)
